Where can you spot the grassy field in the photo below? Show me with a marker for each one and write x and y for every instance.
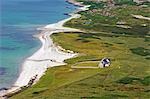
(86, 64)
(117, 20)
(128, 77)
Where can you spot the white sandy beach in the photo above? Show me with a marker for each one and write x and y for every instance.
(48, 55)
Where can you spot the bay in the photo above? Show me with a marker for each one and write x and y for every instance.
(19, 22)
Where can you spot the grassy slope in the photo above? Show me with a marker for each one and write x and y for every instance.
(129, 74)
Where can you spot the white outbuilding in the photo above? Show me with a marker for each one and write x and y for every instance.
(105, 62)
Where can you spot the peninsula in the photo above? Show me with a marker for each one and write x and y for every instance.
(117, 29)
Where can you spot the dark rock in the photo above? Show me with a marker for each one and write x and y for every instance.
(1, 89)
(2, 70)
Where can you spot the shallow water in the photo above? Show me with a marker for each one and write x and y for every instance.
(19, 20)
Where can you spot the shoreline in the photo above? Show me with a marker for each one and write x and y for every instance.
(74, 2)
(49, 55)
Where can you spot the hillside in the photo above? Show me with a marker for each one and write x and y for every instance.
(110, 30)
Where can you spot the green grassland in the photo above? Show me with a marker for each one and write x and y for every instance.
(98, 22)
(128, 77)
(86, 64)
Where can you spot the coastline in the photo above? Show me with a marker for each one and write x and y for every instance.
(49, 55)
(74, 2)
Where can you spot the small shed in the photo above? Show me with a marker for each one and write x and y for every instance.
(105, 62)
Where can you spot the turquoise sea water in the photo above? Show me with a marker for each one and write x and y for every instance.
(19, 20)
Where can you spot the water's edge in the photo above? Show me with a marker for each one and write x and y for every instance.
(60, 25)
